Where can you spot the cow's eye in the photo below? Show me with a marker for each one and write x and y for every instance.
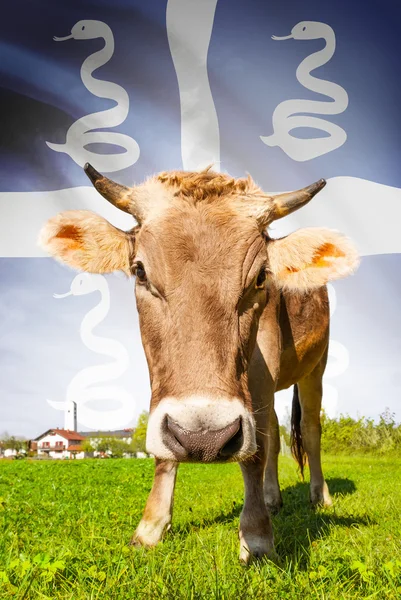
(140, 273)
(261, 278)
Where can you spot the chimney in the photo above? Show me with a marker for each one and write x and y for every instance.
(70, 419)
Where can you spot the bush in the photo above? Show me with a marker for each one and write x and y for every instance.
(346, 434)
(110, 445)
(138, 443)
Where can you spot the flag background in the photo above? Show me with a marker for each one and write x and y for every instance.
(42, 95)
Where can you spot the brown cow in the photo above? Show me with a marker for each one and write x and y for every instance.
(228, 316)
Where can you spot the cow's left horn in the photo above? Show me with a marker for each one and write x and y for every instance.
(284, 204)
(116, 194)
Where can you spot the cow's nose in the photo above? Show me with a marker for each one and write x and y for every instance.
(204, 445)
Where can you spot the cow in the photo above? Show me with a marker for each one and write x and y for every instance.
(228, 316)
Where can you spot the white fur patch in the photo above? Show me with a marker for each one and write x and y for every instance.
(198, 412)
(150, 533)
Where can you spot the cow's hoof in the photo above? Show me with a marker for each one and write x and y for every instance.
(320, 496)
(254, 547)
(274, 505)
(149, 533)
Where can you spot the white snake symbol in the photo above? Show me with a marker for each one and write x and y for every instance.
(80, 133)
(79, 389)
(287, 117)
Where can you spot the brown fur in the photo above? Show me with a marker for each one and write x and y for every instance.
(197, 264)
(206, 185)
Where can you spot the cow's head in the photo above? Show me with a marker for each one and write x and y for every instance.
(205, 270)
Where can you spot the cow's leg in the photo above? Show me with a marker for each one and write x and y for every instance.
(255, 531)
(272, 492)
(159, 507)
(310, 397)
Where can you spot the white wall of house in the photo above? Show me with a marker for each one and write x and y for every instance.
(51, 440)
(8, 452)
(52, 454)
(64, 454)
(94, 441)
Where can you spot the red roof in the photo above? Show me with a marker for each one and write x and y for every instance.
(69, 435)
(65, 433)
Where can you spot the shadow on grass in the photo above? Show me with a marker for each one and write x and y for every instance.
(299, 492)
(339, 486)
(296, 534)
(297, 526)
(223, 518)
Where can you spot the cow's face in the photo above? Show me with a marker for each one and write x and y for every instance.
(204, 274)
(200, 289)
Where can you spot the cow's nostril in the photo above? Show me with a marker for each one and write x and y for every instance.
(234, 444)
(179, 433)
(171, 436)
(204, 445)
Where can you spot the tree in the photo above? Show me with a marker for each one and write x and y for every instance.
(118, 447)
(87, 446)
(285, 435)
(111, 445)
(138, 443)
(13, 443)
(103, 443)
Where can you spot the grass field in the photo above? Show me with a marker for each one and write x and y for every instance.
(65, 527)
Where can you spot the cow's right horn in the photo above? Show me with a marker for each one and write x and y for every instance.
(120, 196)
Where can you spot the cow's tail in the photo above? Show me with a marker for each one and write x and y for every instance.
(297, 448)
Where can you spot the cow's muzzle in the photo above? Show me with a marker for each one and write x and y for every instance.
(204, 445)
(201, 429)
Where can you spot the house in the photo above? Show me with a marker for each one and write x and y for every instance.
(95, 438)
(125, 435)
(10, 453)
(12, 448)
(66, 443)
(59, 443)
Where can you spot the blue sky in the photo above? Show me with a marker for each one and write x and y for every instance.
(40, 344)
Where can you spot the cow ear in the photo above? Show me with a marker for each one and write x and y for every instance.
(87, 242)
(309, 258)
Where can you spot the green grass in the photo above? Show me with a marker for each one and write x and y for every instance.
(65, 527)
